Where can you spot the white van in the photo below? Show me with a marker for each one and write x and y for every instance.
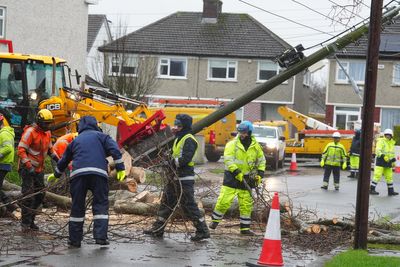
(273, 143)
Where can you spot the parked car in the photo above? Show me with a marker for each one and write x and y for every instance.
(272, 140)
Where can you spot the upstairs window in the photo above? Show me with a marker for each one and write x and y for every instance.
(222, 69)
(396, 74)
(267, 70)
(173, 67)
(356, 70)
(2, 21)
(124, 65)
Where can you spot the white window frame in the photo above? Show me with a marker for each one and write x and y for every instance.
(346, 66)
(229, 63)
(278, 70)
(122, 61)
(168, 63)
(394, 82)
(347, 113)
(3, 18)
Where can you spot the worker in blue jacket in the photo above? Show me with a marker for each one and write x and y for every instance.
(88, 153)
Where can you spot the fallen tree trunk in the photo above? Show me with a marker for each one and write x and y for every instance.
(138, 208)
(384, 239)
(59, 201)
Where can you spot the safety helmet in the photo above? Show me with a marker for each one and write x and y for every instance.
(336, 135)
(245, 126)
(388, 131)
(44, 116)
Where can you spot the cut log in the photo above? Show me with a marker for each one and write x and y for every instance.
(139, 174)
(59, 201)
(137, 208)
(316, 229)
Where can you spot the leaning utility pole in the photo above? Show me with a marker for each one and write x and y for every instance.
(367, 133)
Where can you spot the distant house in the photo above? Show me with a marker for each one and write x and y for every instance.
(211, 55)
(47, 27)
(343, 104)
(98, 35)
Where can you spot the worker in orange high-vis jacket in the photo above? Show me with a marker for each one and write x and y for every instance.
(35, 144)
(62, 142)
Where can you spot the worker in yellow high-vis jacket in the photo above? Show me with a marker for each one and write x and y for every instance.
(385, 161)
(244, 168)
(333, 157)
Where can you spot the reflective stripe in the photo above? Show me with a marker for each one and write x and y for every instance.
(273, 230)
(245, 221)
(1, 155)
(57, 170)
(76, 219)
(176, 162)
(24, 160)
(34, 163)
(100, 217)
(118, 161)
(186, 178)
(27, 134)
(88, 169)
(201, 219)
(216, 216)
(28, 149)
(5, 143)
(390, 185)
(23, 145)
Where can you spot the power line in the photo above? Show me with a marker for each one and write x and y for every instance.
(337, 21)
(282, 17)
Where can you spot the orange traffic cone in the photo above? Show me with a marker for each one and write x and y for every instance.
(271, 252)
(293, 162)
(397, 166)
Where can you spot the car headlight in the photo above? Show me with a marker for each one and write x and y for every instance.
(271, 145)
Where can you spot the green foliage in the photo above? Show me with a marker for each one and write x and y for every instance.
(396, 133)
(360, 258)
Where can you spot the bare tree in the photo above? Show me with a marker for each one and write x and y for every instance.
(129, 74)
(317, 97)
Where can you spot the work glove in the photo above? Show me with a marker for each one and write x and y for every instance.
(258, 180)
(121, 175)
(239, 177)
(386, 158)
(52, 178)
(322, 163)
(393, 164)
(344, 165)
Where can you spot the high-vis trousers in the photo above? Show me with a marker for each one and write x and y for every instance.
(354, 163)
(226, 196)
(386, 171)
(79, 187)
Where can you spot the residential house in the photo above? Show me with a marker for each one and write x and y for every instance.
(47, 27)
(210, 55)
(98, 35)
(344, 104)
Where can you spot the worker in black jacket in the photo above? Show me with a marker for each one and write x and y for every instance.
(355, 154)
(180, 189)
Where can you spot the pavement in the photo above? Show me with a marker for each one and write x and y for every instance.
(301, 187)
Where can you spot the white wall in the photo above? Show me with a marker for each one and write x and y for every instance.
(49, 27)
(95, 59)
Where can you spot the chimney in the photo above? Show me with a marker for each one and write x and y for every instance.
(211, 11)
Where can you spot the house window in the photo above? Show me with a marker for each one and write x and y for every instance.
(2, 21)
(396, 74)
(356, 70)
(267, 70)
(345, 117)
(124, 65)
(173, 67)
(222, 69)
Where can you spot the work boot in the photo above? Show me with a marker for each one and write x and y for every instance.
(102, 242)
(337, 188)
(72, 244)
(157, 230)
(351, 175)
(34, 227)
(391, 192)
(201, 231)
(213, 225)
(372, 191)
(325, 187)
(247, 232)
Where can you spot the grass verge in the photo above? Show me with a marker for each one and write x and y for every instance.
(361, 258)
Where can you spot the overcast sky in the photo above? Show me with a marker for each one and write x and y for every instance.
(138, 13)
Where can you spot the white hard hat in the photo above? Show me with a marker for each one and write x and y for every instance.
(336, 135)
(388, 131)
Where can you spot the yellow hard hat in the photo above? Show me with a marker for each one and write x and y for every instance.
(44, 115)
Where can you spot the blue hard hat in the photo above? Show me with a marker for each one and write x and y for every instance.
(245, 126)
